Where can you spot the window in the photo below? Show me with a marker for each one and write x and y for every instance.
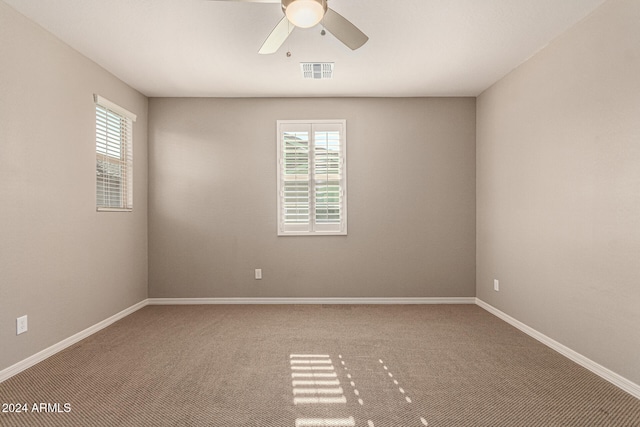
(114, 156)
(312, 178)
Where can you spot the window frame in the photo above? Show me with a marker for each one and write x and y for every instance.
(125, 161)
(313, 227)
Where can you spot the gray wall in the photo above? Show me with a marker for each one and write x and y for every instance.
(558, 189)
(411, 205)
(61, 263)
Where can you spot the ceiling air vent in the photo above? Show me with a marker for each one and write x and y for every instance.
(317, 70)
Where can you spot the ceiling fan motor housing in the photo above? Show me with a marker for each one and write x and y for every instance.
(304, 13)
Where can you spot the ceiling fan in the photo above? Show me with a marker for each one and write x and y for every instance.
(306, 14)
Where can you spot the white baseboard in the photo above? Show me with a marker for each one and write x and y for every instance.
(418, 300)
(615, 379)
(50, 351)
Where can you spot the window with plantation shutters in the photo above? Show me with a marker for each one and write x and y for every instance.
(114, 156)
(312, 179)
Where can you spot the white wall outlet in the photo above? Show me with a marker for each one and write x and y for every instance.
(496, 285)
(21, 325)
(258, 273)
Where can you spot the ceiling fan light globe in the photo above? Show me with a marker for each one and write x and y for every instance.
(305, 13)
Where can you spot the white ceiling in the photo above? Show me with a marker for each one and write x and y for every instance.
(209, 48)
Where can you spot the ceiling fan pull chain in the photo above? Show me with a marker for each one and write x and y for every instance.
(288, 44)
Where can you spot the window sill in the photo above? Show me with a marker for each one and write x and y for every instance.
(114, 209)
(306, 233)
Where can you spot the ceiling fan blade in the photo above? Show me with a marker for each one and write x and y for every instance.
(277, 37)
(344, 30)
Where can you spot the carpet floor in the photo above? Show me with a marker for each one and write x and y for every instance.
(312, 365)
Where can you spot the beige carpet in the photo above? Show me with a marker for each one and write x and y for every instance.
(370, 366)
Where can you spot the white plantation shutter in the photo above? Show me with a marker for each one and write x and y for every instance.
(295, 174)
(312, 177)
(114, 156)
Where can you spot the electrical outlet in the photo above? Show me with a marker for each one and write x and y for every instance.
(258, 273)
(21, 325)
(496, 285)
